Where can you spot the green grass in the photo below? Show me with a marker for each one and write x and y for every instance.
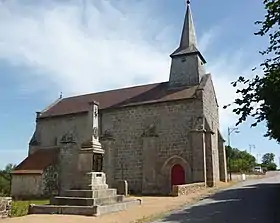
(20, 208)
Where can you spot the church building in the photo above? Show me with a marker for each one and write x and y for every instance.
(154, 136)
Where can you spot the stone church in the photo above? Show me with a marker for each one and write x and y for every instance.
(154, 136)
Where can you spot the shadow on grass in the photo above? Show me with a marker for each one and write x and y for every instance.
(257, 203)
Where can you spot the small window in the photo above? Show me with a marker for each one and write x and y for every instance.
(183, 59)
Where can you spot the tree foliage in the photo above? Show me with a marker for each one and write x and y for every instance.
(268, 158)
(5, 179)
(259, 96)
(268, 161)
(240, 161)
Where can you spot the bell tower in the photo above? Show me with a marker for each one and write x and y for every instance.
(187, 65)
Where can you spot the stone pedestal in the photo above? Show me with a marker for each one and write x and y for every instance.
(97, 178)
(95, 200)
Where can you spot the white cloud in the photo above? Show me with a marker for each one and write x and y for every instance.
(78, 58)
(78, 49)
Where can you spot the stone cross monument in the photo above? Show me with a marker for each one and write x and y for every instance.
(91, 153)
(94, 130)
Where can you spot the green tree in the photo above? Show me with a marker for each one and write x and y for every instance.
(268, 158)
(268, 161)
(259, 97)
(240, 161)
(5, 179)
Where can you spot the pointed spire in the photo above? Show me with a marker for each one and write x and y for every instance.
(188, 43)
(188, 37)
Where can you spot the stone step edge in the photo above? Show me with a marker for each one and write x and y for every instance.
(105, 209)
(86, 198)
(91, 190)
(82, 210)
(62, 210)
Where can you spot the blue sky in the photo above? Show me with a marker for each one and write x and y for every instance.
(85, 46)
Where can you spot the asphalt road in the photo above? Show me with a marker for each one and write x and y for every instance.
(256, 201)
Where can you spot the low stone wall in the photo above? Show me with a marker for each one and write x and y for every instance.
(185, 189)
(238, 176)
(5, 207)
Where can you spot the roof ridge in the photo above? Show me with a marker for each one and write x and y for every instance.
(117, 89)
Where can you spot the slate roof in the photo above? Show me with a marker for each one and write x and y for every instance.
(188, 51)
(37, 162)
(144, 94)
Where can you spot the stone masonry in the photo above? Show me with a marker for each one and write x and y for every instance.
(89, 194)
(154, 136)
(5, 207)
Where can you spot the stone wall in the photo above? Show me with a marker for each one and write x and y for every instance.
(5, 207)
(222, 159)
(25, 186)
(238, 176)
(68, 173)
(186, 189)
(169, 123)
(33, 186)
(50, 131)
(109, 158)
(162, 130)
(186, 70)
(211, 113)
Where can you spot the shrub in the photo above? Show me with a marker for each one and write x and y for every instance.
(20, 208)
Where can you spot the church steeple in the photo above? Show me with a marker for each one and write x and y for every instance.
(188, 37)
(187, 61)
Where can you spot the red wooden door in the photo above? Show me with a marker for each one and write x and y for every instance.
(177, 175)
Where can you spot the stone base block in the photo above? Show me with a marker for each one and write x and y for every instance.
(83, 201)
(90, 193)
(65, 210)
(82, 210)
(96, 178)
(100, 210)
(95, 187)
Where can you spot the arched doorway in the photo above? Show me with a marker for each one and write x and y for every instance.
(177, 175)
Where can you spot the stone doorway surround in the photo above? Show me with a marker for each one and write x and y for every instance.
(166, 170)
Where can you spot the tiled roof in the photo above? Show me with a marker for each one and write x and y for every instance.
(37, 162)
(143, 94)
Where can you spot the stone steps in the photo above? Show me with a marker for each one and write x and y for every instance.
(95, 187)
(84, 201)
(62, 209)
(93, 199)
(82, 210)
(90, 193)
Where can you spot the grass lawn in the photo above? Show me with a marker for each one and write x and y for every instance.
(20, 208)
